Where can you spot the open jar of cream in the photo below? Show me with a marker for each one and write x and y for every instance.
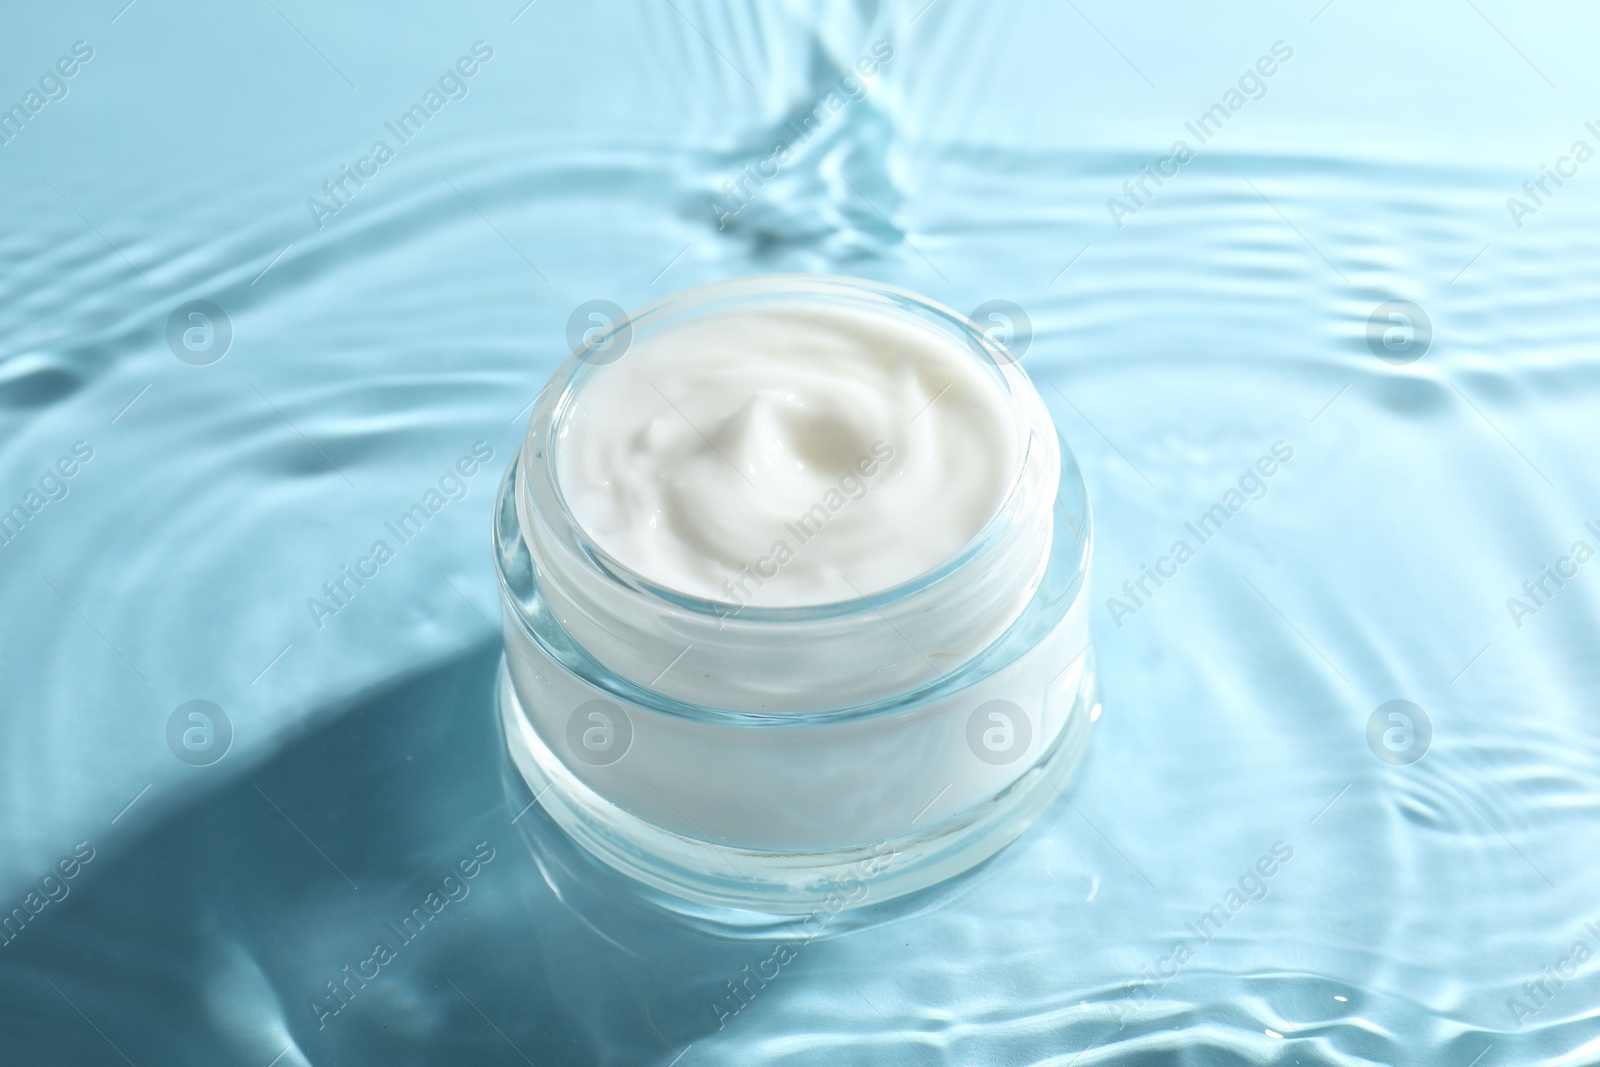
(794, 577)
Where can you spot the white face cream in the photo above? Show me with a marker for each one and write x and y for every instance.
(793, 573)
(785, 456)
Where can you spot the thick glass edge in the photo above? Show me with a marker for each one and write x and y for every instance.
(1065, 555)
(612, 836)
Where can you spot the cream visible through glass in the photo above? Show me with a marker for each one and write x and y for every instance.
(783, 456)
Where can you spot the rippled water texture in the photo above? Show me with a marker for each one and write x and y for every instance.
(1413, 907)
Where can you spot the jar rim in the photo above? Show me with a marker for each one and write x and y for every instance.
(569, 378)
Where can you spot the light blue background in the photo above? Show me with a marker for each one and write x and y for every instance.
(1228, 313)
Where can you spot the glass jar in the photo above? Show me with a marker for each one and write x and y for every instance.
(772, 758)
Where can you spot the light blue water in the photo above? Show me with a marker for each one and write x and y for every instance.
(1229, 312)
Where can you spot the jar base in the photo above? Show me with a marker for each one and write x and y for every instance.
(795, 883)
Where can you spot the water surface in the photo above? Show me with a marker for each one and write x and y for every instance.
(372, 346)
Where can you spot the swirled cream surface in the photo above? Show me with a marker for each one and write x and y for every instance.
(786, 456)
